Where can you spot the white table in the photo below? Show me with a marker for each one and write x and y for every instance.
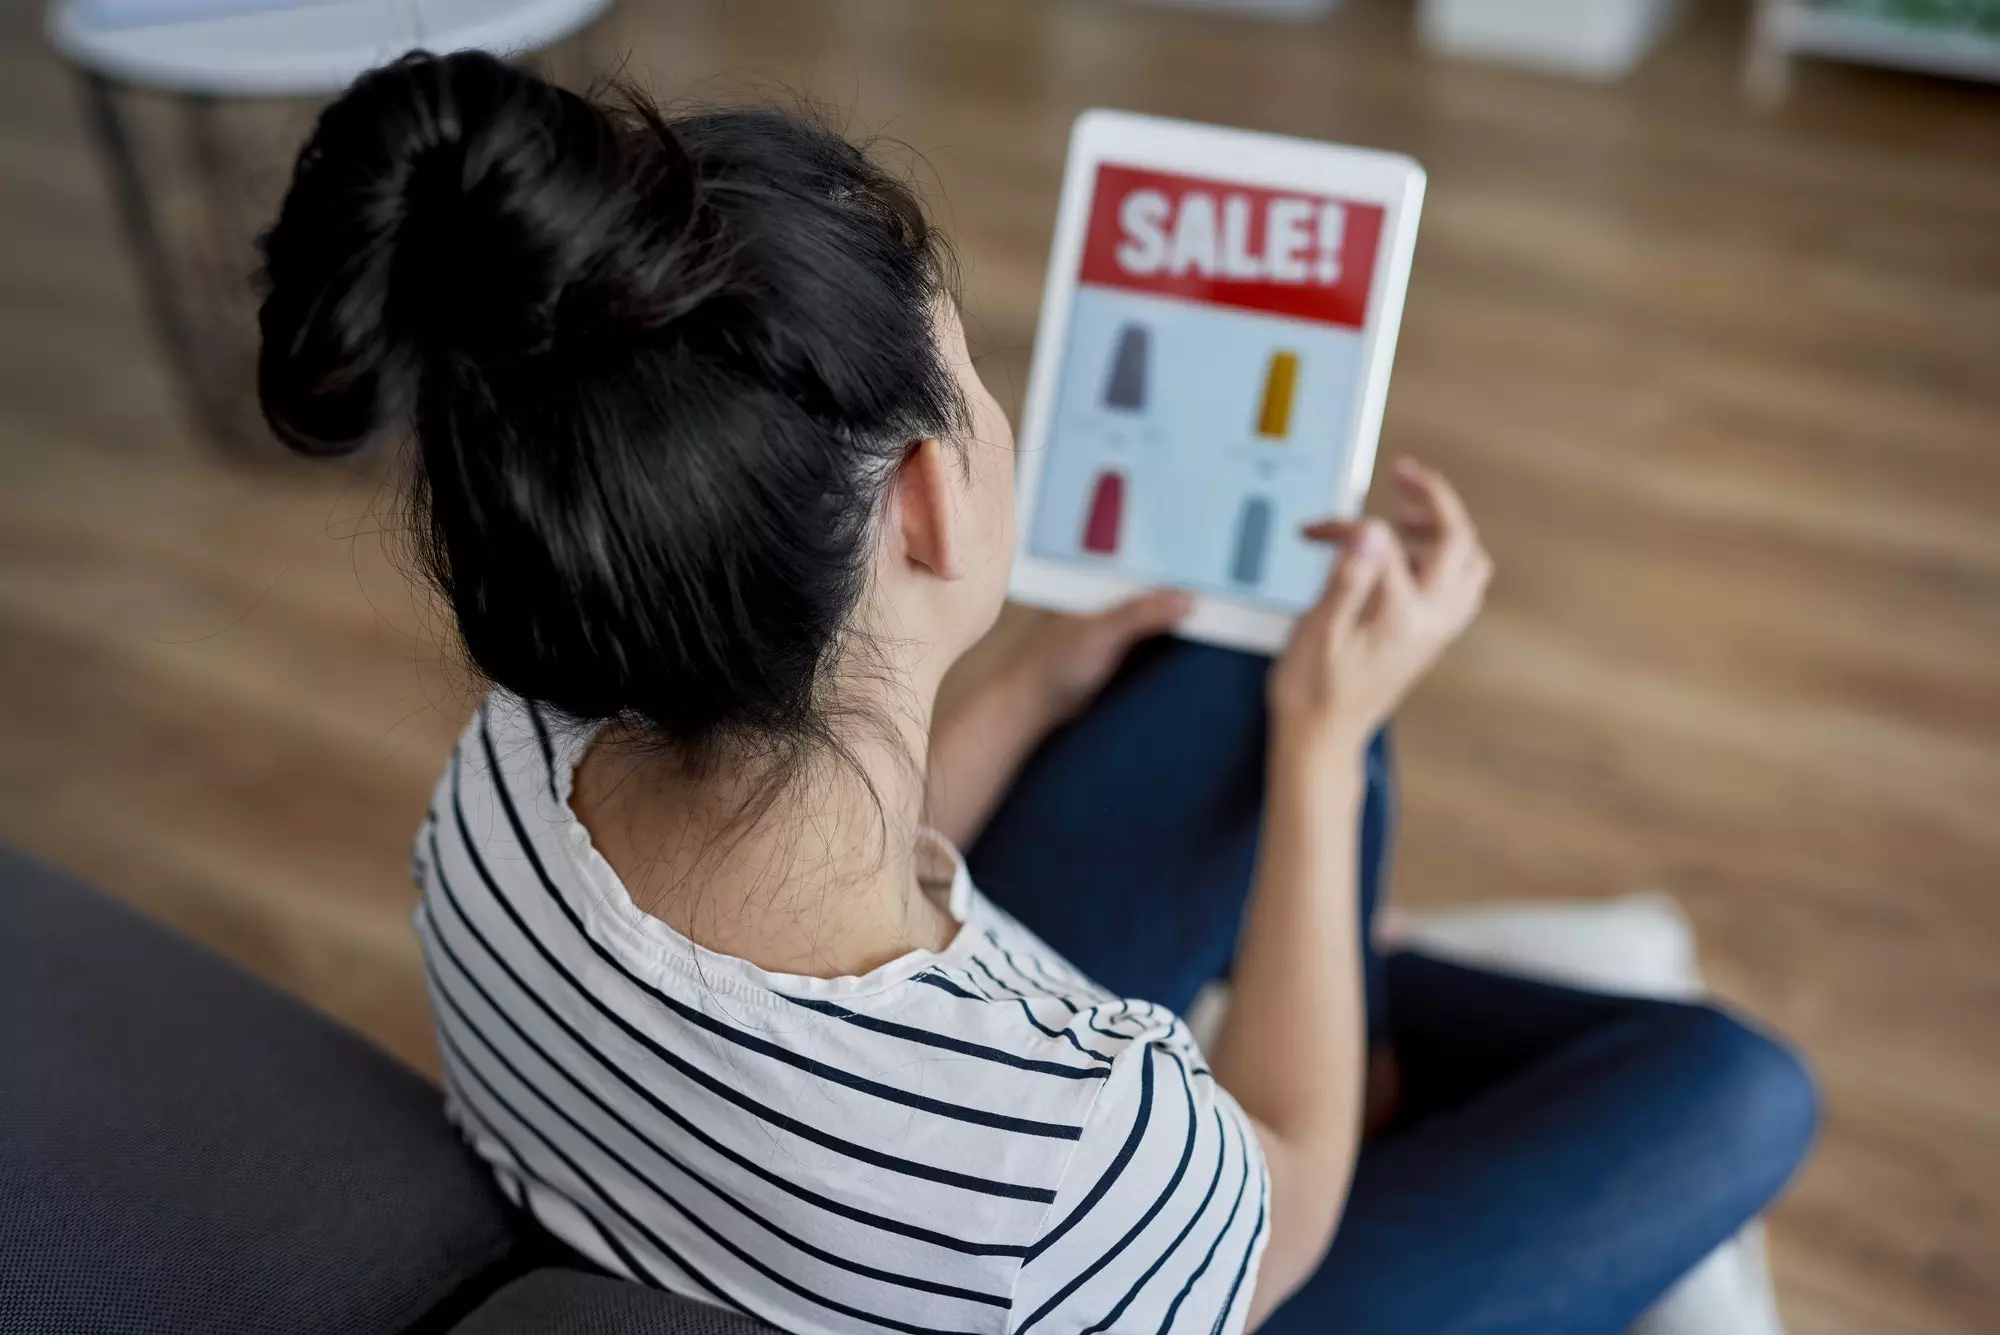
(201, 57)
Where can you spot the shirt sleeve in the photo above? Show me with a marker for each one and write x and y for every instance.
(1160, 1220)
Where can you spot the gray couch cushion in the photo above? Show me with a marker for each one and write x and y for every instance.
(568, 1302)
(182, 1148)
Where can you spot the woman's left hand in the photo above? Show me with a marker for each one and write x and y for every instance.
(1068, 658)
(981, 743)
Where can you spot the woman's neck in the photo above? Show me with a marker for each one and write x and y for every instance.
(817, 876)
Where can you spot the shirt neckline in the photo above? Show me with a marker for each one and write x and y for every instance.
(653, 940)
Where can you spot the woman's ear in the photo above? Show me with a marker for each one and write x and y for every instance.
(926, 494)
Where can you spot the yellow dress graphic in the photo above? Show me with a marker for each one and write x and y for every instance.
(1274, 417)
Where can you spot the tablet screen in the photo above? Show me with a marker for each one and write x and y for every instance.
(1205, 405)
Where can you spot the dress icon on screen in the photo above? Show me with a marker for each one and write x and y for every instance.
(1253, 537)
(1107, 511)
(1125, 387)
(1274, 414)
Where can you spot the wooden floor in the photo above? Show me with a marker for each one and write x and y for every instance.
(1724, 389)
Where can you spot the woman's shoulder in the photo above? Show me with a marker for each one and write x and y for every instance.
(1160, 1215)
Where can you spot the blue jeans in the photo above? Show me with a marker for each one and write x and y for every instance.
(1560, 1157)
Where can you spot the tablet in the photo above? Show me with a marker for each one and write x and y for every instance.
(1210, 367)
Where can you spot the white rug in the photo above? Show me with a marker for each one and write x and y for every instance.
(1641, 945)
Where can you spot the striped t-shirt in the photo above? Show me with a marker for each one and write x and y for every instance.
(971, 1139)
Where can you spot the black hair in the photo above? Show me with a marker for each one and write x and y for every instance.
(656, 373)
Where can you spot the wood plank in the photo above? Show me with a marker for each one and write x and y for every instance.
(1724, 390)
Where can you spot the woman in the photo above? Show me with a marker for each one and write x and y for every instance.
(716, 498)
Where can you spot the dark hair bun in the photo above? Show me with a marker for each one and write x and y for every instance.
(657, 373)
(444, 208)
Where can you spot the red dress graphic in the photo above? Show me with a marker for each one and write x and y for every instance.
(1107, 508)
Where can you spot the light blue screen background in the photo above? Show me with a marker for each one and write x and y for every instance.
(1191, 456)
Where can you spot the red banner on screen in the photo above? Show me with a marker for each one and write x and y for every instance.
(1282, 251)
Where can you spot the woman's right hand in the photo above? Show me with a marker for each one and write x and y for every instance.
(1397, 598)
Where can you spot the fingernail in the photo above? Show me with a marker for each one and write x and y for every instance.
(1180, 604)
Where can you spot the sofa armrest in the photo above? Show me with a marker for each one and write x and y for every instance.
(554, 1301)
(183, 1148)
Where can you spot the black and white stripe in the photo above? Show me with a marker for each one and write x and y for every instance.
(975, 1140)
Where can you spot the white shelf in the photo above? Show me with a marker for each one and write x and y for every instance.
(1810, 30)
(1783, 29)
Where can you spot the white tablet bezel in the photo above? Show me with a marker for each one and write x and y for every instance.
(1273, 161)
